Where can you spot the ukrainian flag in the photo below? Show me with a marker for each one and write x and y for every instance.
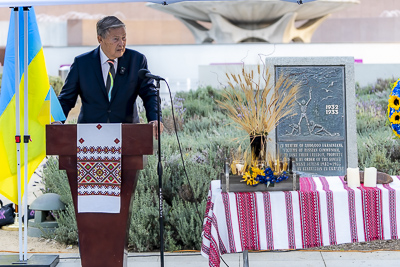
(53, 105)
(38, 107)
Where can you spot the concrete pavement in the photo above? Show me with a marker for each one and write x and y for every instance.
(258, 259)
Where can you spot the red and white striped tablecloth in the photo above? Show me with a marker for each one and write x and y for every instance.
(324, 212)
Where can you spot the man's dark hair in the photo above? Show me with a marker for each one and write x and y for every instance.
(105, 24)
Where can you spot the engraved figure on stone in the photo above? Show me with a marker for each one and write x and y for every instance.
(303, 112)
(313, 128)
(295, 129)
(318, 129)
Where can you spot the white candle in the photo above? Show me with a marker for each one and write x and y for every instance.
(370, 175)
(353, 177)
(239, 169)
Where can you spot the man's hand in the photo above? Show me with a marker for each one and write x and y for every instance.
(155, 128)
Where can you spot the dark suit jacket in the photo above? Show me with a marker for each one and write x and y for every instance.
(86, 80)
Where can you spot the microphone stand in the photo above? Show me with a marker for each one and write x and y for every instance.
(159, 172)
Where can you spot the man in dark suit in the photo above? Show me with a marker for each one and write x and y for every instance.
(107, 81)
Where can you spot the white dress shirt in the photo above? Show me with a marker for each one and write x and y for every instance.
(105, 67)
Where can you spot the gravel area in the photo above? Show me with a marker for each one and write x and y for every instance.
(9, 242)
(387, 245)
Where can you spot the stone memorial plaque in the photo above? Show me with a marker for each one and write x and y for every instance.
(317, 136)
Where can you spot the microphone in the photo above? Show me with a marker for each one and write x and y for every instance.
(122, 71)
(145, 73)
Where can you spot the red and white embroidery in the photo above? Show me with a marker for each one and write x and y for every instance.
(392, 211)
(239, 217)
(352, 211)
(310, 214)
(98, 150)
(290, 220)
(99, 167)
(268, 220)
(99, 189)
(232, 246)
(248, 220)
(330, 211)
(372, 212)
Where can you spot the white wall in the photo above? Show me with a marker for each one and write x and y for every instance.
(368, 73)
(51, 34)
(179, 64)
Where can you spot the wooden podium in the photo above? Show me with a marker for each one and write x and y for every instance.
(103, 237)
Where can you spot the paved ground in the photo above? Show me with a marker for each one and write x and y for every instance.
(258, 259)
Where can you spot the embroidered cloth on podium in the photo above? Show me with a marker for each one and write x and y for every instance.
(99, 167)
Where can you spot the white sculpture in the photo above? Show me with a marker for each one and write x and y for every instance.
(272, 21)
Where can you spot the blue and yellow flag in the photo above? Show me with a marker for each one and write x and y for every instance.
(51, 109)
(38, 107)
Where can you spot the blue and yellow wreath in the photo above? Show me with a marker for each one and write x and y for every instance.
(393, 111)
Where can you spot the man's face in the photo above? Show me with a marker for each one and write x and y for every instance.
(114, 43)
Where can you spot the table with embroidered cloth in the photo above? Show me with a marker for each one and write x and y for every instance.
(325, 211)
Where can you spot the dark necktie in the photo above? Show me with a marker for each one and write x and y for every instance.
(110, 78)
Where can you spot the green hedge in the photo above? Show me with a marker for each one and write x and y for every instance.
(57, 83)
(377, 145)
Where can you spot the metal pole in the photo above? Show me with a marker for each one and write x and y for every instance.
(245, 258)
(160, 171)
(50, 104)
(26, 131)
(17, 130)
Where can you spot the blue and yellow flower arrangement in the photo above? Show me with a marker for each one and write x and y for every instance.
(393, 112)
(256, 176)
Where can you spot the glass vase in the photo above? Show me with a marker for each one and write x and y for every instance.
(258, 146)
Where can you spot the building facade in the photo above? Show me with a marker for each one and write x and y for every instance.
(74, 25)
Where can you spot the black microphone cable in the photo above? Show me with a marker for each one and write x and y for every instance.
(183, 161)
(145, 73)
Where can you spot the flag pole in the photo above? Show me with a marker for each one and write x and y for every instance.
(22, 15)
(17, 132)
(26, 131)
(51, 88)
